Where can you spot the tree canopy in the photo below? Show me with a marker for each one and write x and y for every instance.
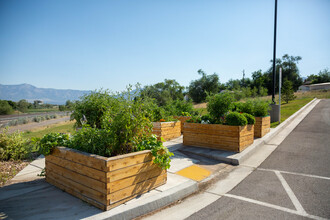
(198, 89)
(164, 92)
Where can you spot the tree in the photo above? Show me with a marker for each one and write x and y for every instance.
(164, 92)
(5, 108)
(290, 71)
(23, 105)
(69, 105)
(322, 77)
(287, 91)
(233, 84)
(199, 88)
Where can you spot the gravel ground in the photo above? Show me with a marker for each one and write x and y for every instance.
(8, 169)
(34, 125)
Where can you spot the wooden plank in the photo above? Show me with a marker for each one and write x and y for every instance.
(211, 137)
(131, 197)
(129, 181)
(129, 160)
(130, 171)
(88, 192)
(211, 145)
(90, 160)
(211, 126)
(78, 168)
(137, 188)
(84, 180)
(219, 131)
(76, 194)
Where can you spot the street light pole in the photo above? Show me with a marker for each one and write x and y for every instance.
(274, 54)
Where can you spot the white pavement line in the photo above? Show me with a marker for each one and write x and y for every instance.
(290, 193)
(273, 206)
(298, 174)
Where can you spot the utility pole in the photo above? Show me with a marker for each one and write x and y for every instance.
(279, 92)
(243, 78)
(274, 54)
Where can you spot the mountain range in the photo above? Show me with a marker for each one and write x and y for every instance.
(31, 93)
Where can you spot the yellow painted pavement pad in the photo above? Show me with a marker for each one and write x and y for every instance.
(194, 172)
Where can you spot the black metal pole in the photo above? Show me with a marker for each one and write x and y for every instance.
(274, 54)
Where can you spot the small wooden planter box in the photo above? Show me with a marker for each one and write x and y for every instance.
(222, 137)
(182, 119)
(101, 181)
(262, 126)
(167, 130)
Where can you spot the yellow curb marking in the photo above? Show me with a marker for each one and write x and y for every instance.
(194, 172)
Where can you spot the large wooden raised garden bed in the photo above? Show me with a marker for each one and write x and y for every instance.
(182, 119)
(222, 137)
(262, 126)
(167, 130)
(101, 181)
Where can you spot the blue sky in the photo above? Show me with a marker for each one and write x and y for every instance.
(87, 45)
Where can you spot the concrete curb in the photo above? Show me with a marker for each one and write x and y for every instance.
(150, 204)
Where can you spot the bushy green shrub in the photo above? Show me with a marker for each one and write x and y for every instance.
(127, 122)
(5, 108)
(261, 108)
(218, 105)
(92, 140)
(236, 119)
(177, 107)
(250, 118)
(90, 110)
(13, 146)
(13, 122)
(51, 140)
(247, 107)
(37, 119)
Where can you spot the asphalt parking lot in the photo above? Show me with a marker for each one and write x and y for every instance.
(292, 183)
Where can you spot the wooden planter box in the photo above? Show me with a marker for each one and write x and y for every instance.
(182, 119)
(101, 181)
(167, 130)
(262, 126)
(222, 137)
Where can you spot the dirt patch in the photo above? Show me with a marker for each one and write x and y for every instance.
(200, 105)
(8, 169)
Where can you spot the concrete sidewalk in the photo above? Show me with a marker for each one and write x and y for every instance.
(30, 197)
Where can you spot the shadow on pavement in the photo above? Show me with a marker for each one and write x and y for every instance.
(40, 200)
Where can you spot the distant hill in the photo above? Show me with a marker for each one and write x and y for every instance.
(31, 93)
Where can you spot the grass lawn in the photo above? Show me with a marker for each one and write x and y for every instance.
(288, 109)
(66, 127)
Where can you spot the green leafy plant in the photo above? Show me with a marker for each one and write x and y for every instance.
(161, 154)
(236, 119)
(195, 119)
(47, 143)
(288, 92)
(91, 108)
(261, 108)
(185, 114)
(13, 146)
(247, 107)
(250, 118)
(92, 140)
(218, 105)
